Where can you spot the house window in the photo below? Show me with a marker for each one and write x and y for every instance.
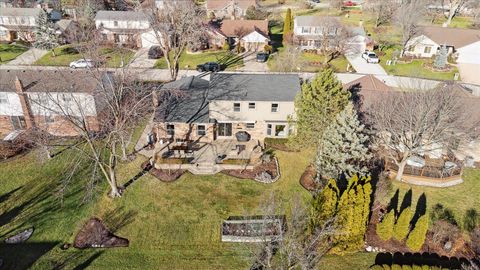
(236, 107)
(66, 97)
(305, 30)
(251, 105)
(274, 107)
(250, 125)
(269, 129)
(317, 43)
(18, 122)
(3, 98)
(115, 23)
(411, 48)
(201, 130)
(49, 119)
(427, 49)
(280, 131)
(170, 130)
(224, 129)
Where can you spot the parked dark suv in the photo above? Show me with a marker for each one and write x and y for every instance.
(209, 66)
(155, 52)
(262, 57)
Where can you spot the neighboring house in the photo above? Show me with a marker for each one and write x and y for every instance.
(309, 30)
(232, 9)
(40, 98)
(217, 109)
(250, 34)
(464, 42)
(18, 23)
(359, 41)
(122, 27)
(67, 31)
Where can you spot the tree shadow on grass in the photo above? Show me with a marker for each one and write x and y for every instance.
(118, 218)
(407, 201)
(430, 259)
(23, 255)
(393, 205)
(420, 209)
(7, 195)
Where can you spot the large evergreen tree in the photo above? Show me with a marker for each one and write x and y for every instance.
(287, 26)
(324, 205)
(45, 36)
(343, 150)
(441, 57)
(402, 227)
(417, 237)
(316, 106)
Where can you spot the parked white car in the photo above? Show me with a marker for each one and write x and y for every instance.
(371, 57)
(82, 63)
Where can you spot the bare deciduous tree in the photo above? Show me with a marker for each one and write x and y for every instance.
(119, 102)
(454, 7)
(296, 247)
(177, 26)
(382, 10)
(408, 17)
(289, 60)
(419, 121)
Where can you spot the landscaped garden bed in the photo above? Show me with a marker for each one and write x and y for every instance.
(307, 180)
(268, 167)
(167, 175)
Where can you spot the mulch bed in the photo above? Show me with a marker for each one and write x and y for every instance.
(95, 234)
(460, 247)
(307, 180)
(167, 175)
(269, 167)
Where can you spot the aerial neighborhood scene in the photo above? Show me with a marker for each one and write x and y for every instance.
(240, 134)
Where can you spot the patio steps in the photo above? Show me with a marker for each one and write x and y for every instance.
(204, 169)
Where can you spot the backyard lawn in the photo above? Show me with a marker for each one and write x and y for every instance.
(9, 52)
(169, 225)
(414, 69)
(65, 54)
(191, 60)
(458, 198)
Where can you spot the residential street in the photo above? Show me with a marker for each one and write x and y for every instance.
(27, 58)
(361, 66)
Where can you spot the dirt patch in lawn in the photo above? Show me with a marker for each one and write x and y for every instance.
(269, 167)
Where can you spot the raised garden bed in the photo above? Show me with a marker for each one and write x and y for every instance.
(307, 180)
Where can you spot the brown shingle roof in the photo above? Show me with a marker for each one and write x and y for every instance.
(219, 4)
(451, 36)
(366, 90)
(236, 28)
(369, 82)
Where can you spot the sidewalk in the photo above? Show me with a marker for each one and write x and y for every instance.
(27, 58)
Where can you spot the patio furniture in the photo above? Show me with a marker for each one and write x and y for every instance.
(240, 148)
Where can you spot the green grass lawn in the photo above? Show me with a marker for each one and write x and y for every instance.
(191, 60)
(112, 56)
(414, 69)
(8, 52)
(169, 225)
(457, 22)
(458, 198)
(312, 62)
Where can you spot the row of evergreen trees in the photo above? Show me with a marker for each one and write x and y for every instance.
(405, 267)
(349, 210)
(401, 228)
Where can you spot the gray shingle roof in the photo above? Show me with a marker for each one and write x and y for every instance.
(121, 15)
(311, 20)
(186, 100)
(7, 11)
(254, 87)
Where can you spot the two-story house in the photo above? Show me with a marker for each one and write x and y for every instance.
(230, 9)
(122, 27)
(18, 23)
(309, 31)
(42, 98)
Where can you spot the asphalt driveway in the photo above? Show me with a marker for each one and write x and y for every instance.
(361, 66)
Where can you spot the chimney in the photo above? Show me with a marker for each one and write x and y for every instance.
(27, 111)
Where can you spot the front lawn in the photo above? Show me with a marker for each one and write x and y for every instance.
(112, 57)
(191, 60)
(458, 198)
(457, 22)
(414, 69)
(169, 225)
(8, 52)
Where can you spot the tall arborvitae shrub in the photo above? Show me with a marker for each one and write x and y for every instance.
(402, 227)
(384, 228)
(416, 238)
